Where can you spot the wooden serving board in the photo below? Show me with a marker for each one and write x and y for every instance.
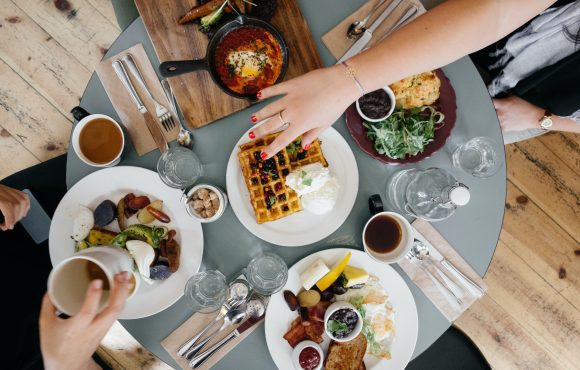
(200, 100)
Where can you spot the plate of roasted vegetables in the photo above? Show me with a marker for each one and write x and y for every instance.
(357, 312)
(130, 208)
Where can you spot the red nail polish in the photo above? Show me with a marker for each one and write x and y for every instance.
(263, 156)
(259, 95)
(254, 119)
(252, 135)
(307, 147)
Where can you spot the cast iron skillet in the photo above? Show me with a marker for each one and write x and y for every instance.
(175, 68)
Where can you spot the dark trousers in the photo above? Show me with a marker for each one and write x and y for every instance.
(26, 266)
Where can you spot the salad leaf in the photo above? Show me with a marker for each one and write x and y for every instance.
(335, 326)
(405, 132)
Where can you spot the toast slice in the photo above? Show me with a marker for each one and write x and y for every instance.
(347, 355)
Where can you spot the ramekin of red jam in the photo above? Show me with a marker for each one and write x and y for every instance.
(307, 355)
(309, 358)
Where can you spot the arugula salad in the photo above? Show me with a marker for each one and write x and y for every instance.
(405, 132)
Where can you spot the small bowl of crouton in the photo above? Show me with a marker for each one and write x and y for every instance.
(206, 203)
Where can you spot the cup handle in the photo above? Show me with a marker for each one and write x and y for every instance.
(79, 113)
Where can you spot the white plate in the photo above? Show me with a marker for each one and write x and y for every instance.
(279, 317)
(113, 184)
(303, 227)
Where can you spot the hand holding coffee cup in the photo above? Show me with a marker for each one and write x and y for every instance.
(70, 280)
(388, 237)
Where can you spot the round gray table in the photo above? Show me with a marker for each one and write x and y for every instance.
(473, 230)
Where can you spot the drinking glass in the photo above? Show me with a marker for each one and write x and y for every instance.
(267, 273)
(206, 291)
(179, 167)
(478, 157)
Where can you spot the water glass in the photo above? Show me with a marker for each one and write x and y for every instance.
(179, 167)
(267, 273)
(206, 291)
(478, 157)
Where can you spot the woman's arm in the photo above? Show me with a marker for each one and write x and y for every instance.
(314, 101)
(516, 114)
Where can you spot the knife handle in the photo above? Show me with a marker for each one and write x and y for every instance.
(134, 69)
(198, 360)
(470, 284)
(122, 74)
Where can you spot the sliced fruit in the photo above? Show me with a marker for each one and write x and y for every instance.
(313, 273)
(145, 217)
(334, 273)
(354, 276)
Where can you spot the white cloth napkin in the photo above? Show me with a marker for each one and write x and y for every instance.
(426, 233)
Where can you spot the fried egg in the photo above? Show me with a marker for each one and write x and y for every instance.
(83, 223)
(379, 315)
(247, 63)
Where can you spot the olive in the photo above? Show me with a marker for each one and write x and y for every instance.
(326, 295)
(291, 300)
(304, 315)
(338, 290)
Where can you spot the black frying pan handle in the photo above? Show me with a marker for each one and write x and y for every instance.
(178, 67)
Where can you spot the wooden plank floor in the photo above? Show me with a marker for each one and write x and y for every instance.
(530, 318)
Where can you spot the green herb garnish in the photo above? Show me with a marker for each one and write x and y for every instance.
(335, 326)
(307, 182)
(272, 199)
(405, 132)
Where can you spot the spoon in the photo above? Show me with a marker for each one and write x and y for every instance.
(475, 289)
(421, 252)
(184, 137)
(255, 310)
(233, 317)
(358, 27)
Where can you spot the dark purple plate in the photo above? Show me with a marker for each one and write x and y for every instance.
(446, 104)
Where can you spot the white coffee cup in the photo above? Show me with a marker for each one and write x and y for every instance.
(69, 281)
(76, 134)
(402, 248)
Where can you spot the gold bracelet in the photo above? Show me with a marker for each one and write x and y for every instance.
(351, 72)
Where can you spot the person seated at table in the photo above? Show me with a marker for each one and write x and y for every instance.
(534, 72)
(314, 101)
(26, 269)
(70, 343)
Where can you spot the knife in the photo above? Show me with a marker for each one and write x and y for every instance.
(437, 257)
(198, 360)
(366, 37)
(151, 123)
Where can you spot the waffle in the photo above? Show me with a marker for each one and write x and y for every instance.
(266, 180)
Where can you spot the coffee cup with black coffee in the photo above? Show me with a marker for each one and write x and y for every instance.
(388, 237)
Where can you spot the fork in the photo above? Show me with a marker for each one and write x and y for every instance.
(163, 113)
(226, 307)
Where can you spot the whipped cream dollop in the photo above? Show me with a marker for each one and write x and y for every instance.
(315, 185)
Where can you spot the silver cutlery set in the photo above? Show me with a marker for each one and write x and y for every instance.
(163, 115)
(242, 308)
(358, 30)
(429, 260)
